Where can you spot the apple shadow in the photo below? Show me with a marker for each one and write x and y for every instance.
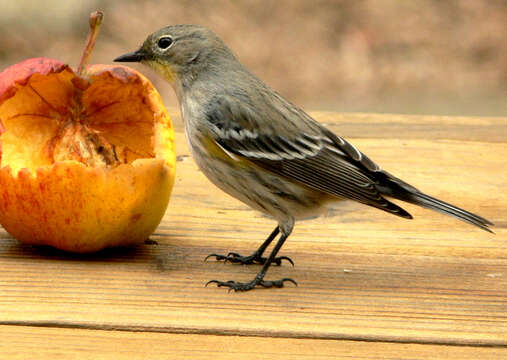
(11, 248)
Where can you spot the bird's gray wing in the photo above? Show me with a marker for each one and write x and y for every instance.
(301, 151)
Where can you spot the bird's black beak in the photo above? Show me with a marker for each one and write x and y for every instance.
(135, 56)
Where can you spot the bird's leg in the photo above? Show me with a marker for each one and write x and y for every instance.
(259, 278)
(256, 257)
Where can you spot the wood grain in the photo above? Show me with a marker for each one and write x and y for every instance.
(22, 342)
(363, 275)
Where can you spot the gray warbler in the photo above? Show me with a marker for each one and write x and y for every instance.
(261, 149)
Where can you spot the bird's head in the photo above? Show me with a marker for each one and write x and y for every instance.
(179, 51)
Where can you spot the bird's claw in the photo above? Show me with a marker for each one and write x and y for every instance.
(218, 257)
(278, 260)
(238, 286)
(234, 257)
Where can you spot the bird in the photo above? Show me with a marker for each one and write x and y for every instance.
(266, 152)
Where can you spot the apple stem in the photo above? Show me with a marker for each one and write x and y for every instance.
(96, 18)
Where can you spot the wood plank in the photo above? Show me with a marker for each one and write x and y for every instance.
(24, 342)
(401, 126)
(378, 126)
(363, 275)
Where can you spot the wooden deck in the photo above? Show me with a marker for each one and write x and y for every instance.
(371, 286)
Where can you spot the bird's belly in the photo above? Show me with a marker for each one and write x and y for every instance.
(260, 189)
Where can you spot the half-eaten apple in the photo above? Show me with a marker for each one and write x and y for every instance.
(87, 158)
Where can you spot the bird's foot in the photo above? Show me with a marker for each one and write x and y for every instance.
(238, 286)
(255, 258)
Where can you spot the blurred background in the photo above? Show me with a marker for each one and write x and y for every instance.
(389, 56)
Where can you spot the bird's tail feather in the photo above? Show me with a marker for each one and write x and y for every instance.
(429, 202)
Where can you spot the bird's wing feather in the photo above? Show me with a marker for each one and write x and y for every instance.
(306, 153)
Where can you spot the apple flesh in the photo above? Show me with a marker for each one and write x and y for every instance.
(86, 162)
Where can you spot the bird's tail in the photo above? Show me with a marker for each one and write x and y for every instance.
(432, 203)
(405, 192)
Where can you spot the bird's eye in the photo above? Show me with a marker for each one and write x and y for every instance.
(164, 42)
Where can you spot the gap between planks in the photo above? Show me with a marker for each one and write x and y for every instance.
(255, 334)
(50, 343)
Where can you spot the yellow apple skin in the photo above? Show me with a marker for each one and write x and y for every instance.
(80, 209)
(68, 204)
